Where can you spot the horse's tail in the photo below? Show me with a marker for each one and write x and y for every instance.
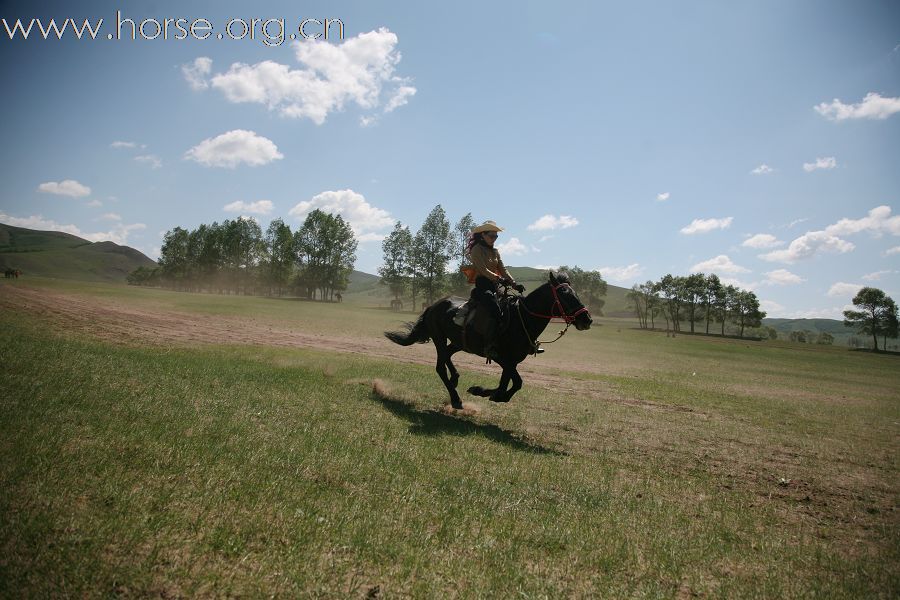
(416, 333)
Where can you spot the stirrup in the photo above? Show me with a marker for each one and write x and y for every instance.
(538, 349)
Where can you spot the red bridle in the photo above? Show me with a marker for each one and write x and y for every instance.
(557, 304)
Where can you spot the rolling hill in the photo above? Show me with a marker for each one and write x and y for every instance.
(66, 256)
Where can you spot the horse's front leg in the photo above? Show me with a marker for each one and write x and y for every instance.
(499, 394)
(494, 393)
(516, 383)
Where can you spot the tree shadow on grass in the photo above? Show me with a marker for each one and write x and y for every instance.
(431, 422)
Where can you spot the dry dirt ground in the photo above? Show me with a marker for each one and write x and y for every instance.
(118, 322)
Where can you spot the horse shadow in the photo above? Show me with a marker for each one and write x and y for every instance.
(430, 422)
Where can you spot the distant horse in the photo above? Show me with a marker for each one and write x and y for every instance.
(338, 297)
(527, 318)
(396, 304)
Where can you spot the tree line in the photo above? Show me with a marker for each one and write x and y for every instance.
(692, 299)
(237, 257)
(426, 264)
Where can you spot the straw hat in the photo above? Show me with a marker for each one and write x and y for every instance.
(486, 226)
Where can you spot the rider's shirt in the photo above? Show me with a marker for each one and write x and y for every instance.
(487, 262)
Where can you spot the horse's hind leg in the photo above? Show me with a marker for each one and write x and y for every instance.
(443, 359)
(504, 396)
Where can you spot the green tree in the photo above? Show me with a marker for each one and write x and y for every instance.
(712, 293)
(173, 257)
(825, 339)
(873, 317)
(397, 248)
(891, 324)
(747, 313)
(279, 258)
(727, 303)
(459, 237)
(694, 292)
(431, 248)
(639, 302)
(341, 246)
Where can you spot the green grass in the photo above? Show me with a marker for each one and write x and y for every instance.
(251, 470)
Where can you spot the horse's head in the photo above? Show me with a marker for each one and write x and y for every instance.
(572, 309)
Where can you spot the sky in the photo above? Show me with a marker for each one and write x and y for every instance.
(758, 140)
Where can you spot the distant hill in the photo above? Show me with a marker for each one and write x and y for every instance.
(784, 327)
(366, 288)
(66, 256)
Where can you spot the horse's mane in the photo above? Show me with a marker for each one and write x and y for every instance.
(562, 277)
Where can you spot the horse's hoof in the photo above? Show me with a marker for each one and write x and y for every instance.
(458, 405)
(476, 390)
(500, 398)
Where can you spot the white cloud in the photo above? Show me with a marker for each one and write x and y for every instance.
(400, 98)
(195, 73)
(149, 159)
(763, 169)
(549, 222)
(233, 148)
(118, 234)
(879, 221)
(825, 163)
(546, 267)
(719, 264)
(842, 289)
(762, 241)
(110, 217)
(68, 187)
(663, 196)
(782, 277)
(128, 145)
(706, 225)
(808, 245)
(332, 75)
(629, 273)
(812, 243)
(797, 222)
(366, 121)
(260, 207)
(513, 247)
(892, 251)
(364, 218)
(771, 307)
(873, 106)
(94, 204)
(744, 285)
(878, 275)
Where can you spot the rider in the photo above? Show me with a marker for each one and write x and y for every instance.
(490, 271)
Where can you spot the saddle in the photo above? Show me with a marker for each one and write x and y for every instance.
(473, 318)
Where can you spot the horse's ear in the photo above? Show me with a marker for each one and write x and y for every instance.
(552, 277)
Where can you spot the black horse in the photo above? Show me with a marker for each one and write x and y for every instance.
(527, 317)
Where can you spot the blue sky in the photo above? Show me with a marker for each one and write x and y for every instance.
(759, 141)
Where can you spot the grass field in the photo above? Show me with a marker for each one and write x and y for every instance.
(168, 444)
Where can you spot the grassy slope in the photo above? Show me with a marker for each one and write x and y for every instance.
(249, 470)
(57, 254)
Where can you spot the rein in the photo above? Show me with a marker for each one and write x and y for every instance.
(557, 303)
(569, 319)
